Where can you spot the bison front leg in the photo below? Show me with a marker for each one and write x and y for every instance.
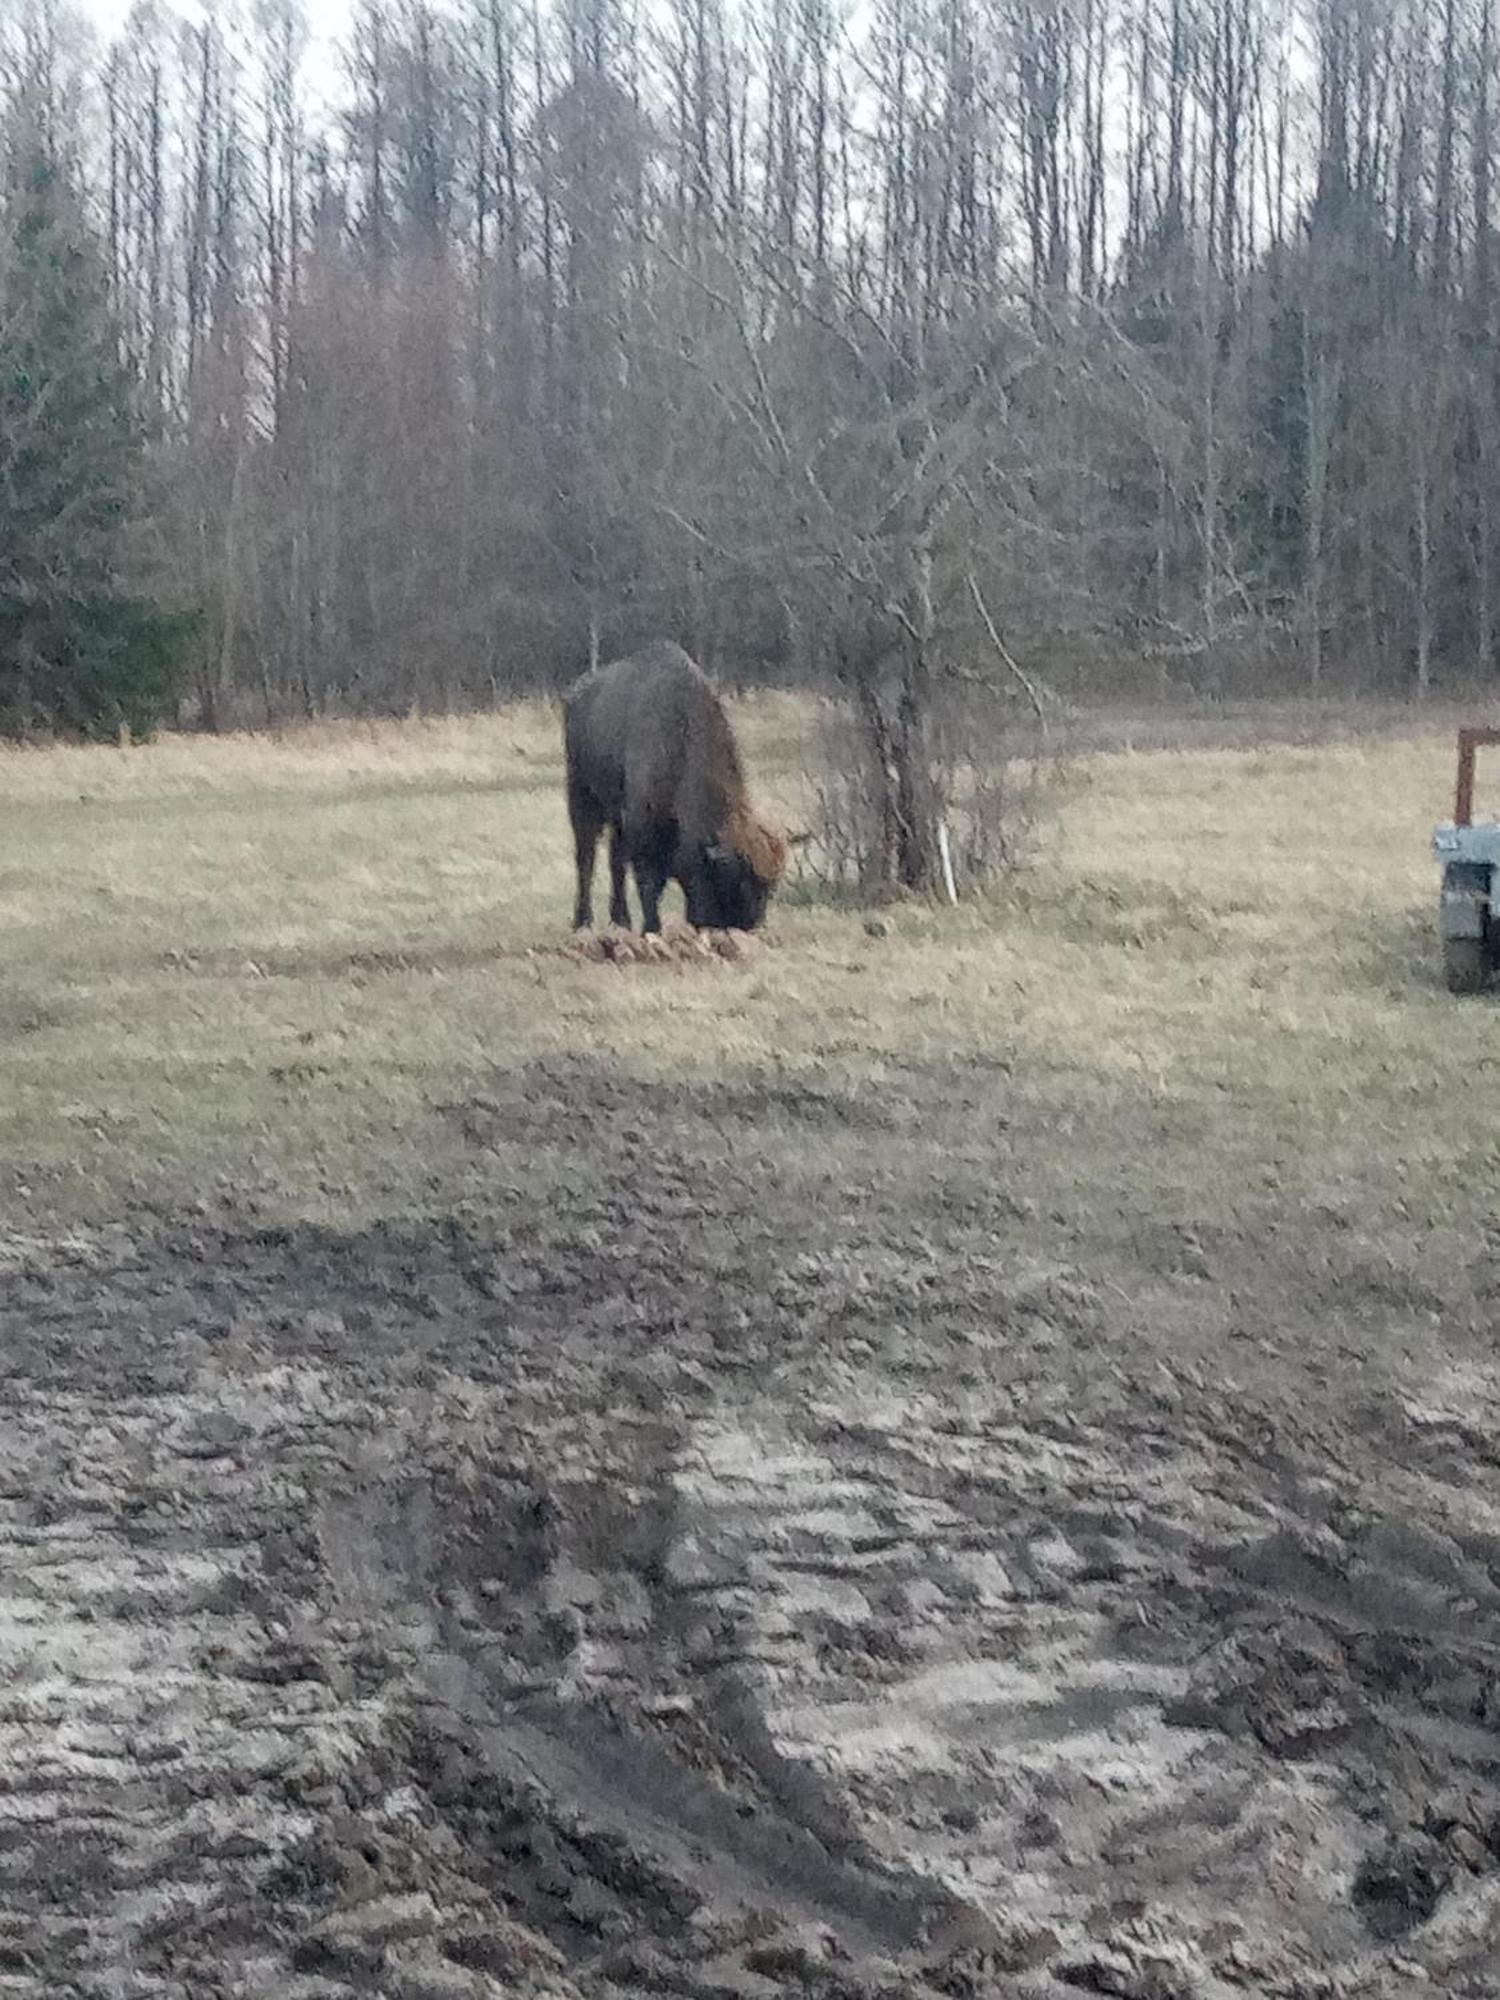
(619, 906)
(697, 893)
(651, 858)
(651, 881)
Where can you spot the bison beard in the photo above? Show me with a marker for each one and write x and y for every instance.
(651, 756)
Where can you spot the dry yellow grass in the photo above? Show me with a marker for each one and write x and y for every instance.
(273, 963)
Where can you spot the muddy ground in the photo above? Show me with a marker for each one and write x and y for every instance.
(688, 1571)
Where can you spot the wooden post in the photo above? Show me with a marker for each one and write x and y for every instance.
(1469, 740)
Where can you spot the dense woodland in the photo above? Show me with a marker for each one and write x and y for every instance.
(1093, 345)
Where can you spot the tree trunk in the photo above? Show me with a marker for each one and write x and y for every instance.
(1320, 396)
(918, 800)
(880, 866)
(916, 804)
(1484, 579)
(1422, 523)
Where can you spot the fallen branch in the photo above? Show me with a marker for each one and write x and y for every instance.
(945, 855)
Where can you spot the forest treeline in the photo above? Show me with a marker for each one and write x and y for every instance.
(1095, 345)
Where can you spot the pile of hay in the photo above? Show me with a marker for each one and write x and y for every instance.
(675, 944)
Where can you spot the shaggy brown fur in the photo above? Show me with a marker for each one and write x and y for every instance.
(651, 756)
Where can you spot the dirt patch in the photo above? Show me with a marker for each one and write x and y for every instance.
(699, 1569)
(435, 958)
(674, 944)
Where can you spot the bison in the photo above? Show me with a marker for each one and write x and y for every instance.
(651, 756)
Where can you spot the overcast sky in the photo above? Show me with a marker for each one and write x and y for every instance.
(325, 19)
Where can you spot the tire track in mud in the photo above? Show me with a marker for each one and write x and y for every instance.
(617, 1604)
(188, 1787)
(297, 1697)
(169, 1718)
(632, 1834)
(1206, 1746)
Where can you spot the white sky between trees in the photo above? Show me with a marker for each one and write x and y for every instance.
(326, 21)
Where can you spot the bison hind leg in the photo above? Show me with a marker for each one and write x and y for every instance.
(588, 824)
(619, 904)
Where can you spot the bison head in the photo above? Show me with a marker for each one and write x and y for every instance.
(731, 896)
(732, 882)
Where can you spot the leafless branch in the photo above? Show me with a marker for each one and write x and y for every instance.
(1004, 655)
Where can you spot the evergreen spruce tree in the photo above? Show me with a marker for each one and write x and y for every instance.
(80, 649)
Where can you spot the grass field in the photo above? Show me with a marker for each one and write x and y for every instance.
(274, 964)
(1038, 1363)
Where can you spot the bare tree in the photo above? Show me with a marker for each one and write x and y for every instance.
(1171, 321)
